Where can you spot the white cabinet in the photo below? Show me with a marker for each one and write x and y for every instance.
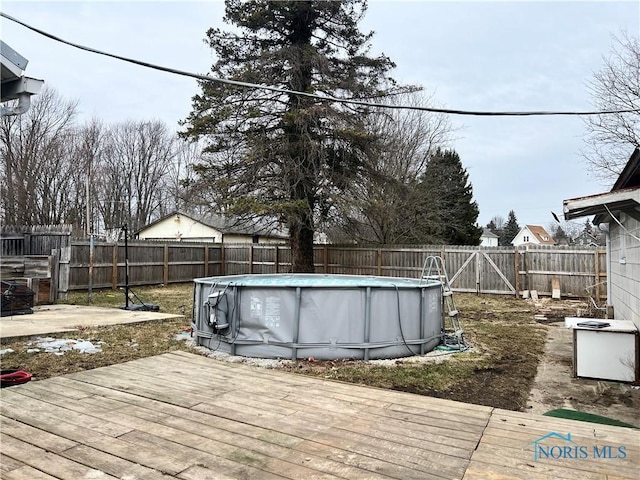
(609, 353)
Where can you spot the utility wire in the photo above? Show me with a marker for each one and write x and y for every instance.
(326, 98)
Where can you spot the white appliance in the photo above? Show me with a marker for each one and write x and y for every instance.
(607, 353)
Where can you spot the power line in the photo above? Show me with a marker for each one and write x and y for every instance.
(313, 95)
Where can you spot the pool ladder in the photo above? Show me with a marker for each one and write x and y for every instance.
(434, 269)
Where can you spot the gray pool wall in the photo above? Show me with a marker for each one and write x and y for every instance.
(327, 317)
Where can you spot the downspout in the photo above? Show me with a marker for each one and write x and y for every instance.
(604, 227)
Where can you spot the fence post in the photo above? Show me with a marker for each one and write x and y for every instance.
(251, 259)
(516, 262)
(478, 276)
(525, 269)
(277, 259)
(223, 267)
(114, 267)
(379, 262)
(206, 260)
(165, 270)
(54, 269)
(63, 275)
(325, 258)
(27, 244)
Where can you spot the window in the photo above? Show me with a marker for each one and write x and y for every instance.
(255, 239)
(525, 238)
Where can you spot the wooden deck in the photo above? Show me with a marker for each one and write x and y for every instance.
(185, 416)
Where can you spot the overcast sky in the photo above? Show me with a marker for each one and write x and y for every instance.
(503, 55)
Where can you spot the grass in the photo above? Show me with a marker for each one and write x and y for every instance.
(499, 372)
(177, 298)
(121, 343)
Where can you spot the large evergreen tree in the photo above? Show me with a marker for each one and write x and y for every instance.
(511, 229)
(286, 155)
(445, 189)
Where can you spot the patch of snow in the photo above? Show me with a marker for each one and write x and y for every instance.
(182, 336)
(85, 346)
(6, 350)
(63, 345)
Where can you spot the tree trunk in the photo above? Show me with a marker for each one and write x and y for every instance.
(298, 130)
(301, 243)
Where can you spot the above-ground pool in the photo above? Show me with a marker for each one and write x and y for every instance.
(321, 316)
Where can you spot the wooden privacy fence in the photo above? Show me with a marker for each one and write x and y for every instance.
(33, 240)
(499, 270)
(34, 256)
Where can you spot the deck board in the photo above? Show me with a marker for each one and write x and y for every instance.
(185, 416)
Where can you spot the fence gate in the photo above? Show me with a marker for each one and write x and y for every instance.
(481, 271)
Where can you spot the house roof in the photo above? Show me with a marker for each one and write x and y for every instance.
(229, 224)
(488, 233)
(540, 233)
(630, 176)
(624, 196)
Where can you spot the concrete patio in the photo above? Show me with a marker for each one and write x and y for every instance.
(50, 319)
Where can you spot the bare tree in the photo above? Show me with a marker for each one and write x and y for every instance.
(180, 172)
(135, 163)
(378, 206)
(611, 138)
(37, 175)
(565, 231)
(86, 152)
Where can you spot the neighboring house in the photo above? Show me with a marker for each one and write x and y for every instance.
(617, 213)
(532, 235)
(488, 238)
(587, 239)
(183, 227)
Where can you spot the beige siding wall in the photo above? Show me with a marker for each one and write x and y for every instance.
(237, 238)
(182, 228)
(625, 269)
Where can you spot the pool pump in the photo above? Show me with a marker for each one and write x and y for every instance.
(218, 309)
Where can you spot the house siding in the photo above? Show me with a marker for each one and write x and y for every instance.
(625, 276)
(520, 238)
(238, 238)
(188, 229)
(185, 229)
(488, 242)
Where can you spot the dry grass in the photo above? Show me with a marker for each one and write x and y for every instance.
(507, 344)
(499, 372)
(121, 343)
(176, 298)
